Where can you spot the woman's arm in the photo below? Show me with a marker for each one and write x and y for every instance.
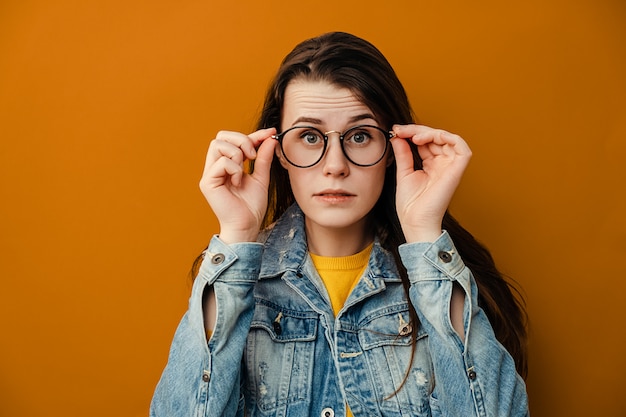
(457, 304)
(204, 378)
(474, 374)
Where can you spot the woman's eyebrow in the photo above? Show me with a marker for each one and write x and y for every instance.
(362, 117)
(307, 120)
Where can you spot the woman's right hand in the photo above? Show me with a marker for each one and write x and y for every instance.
(238, 199)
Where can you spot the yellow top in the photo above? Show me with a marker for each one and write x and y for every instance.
(340, 275)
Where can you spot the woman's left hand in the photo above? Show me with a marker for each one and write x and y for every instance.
(423, 196)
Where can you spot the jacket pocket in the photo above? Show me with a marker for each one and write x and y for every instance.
(279, 355)
(403, 378)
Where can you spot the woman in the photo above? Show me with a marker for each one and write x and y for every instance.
(353, 300)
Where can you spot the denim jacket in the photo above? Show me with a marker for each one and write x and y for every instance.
(278, 350)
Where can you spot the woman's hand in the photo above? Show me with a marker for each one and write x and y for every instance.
(423, 196)
(238, 199)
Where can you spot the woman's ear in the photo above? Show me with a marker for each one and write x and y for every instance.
(281, 158)
(390, 158)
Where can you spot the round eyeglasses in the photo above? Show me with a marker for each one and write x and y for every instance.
(305, 146)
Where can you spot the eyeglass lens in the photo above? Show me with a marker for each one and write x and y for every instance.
(304, 146)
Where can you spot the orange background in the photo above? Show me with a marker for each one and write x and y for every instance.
(106, 111)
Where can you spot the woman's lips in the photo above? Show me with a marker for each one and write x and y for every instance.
(334, 196)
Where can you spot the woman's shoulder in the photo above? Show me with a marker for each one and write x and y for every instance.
(289, 225)
(264, 234)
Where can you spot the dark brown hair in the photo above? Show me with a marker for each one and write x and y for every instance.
(350, 62)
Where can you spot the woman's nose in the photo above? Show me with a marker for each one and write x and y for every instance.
(334, 161)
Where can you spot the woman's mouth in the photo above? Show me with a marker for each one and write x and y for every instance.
(334, 196)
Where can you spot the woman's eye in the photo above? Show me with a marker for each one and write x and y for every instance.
(359, 138)
(311, 138)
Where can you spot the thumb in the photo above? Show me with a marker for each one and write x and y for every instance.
(263, 161)
(404, 157)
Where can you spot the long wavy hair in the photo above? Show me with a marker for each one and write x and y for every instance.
(347, 61)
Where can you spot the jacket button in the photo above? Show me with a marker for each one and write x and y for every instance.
(217, 259)
(206, 376)
(445, 256)
(405, 330)
(328, 412)
(278, 329)
(472, 375)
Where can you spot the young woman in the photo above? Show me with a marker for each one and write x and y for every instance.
(339, 284)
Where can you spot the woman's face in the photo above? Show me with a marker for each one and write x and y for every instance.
(334, 193)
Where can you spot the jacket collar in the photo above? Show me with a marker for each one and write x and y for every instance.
(285, 249)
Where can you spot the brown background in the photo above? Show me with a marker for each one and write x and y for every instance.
(106, 111)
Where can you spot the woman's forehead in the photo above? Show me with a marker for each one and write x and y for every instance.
(320, 102)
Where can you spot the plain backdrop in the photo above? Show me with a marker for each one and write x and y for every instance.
(107, 109)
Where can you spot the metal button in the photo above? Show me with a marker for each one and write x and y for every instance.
(472, 375)
(328, 412)
(278, 329)
(206, 376)
(217, 259)
(445, 256)
(405, 330)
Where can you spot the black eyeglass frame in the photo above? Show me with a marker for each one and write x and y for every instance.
(388, 135)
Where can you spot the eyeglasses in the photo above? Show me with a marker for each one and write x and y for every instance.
(305, 146)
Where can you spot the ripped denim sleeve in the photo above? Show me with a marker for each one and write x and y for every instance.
(476, 377)
(204, 378)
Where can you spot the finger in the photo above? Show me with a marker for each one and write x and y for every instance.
(234, 148)
(422, 135)
(219, 173)
(403, 156)
(408, 131)
(260, 135)
(234, 172)
(263, 162)
(418, 133)
(223, 160)
(238, 140)
(223, 149)
(220, 155)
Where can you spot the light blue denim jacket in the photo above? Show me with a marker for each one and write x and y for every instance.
(278, 350)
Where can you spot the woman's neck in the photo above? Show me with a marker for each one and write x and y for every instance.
(335, 242)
